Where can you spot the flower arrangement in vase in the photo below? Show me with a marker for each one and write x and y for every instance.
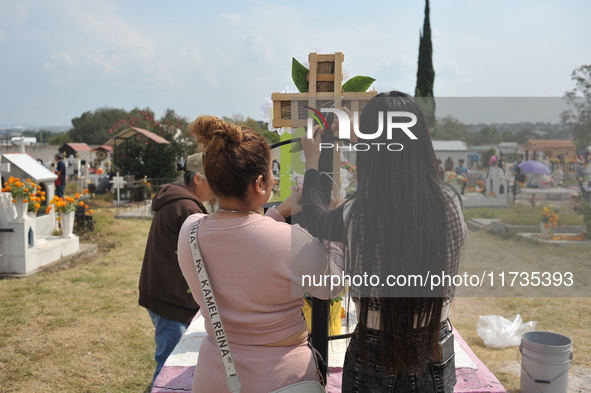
(26, 195)
(65, 205)
(549, 219)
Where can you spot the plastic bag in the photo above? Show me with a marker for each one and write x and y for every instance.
(499, 332)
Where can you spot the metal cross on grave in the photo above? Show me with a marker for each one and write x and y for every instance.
(325, 81)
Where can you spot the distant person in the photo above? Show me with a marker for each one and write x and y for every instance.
(440, 169)
(104, 185)
(463, 171)
(534, 180)
(163, 289)
(501, 162)
(518, 173)
(60, 183)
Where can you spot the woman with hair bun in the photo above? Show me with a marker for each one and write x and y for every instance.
(255, 265)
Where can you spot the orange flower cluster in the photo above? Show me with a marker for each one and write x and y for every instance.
(65, 205)
(21, 189)
(549, 216)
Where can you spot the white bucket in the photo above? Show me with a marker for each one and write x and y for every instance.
(546, 359)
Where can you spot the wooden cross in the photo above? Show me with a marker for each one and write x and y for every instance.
(325, 82)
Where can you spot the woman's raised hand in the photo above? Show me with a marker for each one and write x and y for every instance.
(291, 205)
(311, 148)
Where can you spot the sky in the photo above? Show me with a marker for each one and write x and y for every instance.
(61, 58)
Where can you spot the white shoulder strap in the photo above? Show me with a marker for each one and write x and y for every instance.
(217, 326)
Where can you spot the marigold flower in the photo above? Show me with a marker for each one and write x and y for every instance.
(14, 201)
(86, 206)
(80, 203)
(26, 200)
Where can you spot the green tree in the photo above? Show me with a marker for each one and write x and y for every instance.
(521, 136)
(487, 134)
(487, 155)
(59, 139)
(425, 71)
(42, 135)
(261, 128)
(450, 128)
(93, 127)
(141, 156)
(578, 117)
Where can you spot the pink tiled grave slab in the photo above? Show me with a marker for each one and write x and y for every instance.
(177, 374)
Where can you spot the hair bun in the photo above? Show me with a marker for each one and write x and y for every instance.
(214, 133)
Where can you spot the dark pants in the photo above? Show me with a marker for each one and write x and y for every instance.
(357, 378)
(59, 191)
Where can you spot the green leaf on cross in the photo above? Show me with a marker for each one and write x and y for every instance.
(358, 84)
(299, 74)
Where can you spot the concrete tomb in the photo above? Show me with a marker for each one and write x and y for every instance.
(27, 243)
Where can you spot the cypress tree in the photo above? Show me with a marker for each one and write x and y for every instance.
(425, 71)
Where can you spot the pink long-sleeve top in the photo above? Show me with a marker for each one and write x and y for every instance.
(255, 265)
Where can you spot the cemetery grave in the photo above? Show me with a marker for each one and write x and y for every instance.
(28, 244)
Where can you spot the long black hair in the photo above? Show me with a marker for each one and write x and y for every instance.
(398, 226)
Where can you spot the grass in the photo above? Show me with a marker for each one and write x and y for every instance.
(570, 316)
(79, 329)
(521, 214)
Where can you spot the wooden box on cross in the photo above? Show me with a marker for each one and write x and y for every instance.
(325, 82)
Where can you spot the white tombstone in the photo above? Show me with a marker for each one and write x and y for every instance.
(497, 189)
(71, 164)
(118, 183)
(28, 244)
(496, 184)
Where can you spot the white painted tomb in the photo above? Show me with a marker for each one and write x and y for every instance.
(27, 244)
(496, 182)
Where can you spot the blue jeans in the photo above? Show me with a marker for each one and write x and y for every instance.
(167, 335)
(434, 377)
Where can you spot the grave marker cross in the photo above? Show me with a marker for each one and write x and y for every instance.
(118, 183)
(325, 82)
